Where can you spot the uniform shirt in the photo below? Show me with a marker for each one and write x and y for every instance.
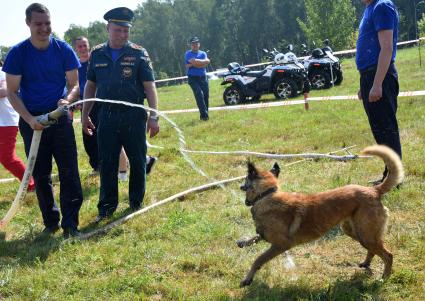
(43, 80)
(8, 116)
(200, 55)
(121, 79)
(82, 77)
(379, 15)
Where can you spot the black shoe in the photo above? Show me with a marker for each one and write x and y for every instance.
(71, 232)
(150, 164)
(100, 218)
(50, 230)
(205, 118)
(133, 208)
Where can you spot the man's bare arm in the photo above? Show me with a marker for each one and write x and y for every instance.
(72, 86)
(89, 92)
(386, 43)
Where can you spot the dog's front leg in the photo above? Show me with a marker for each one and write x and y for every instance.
(271, 253)
(245, 242)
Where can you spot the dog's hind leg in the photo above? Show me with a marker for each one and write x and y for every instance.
(349, 229)
(271, 253)
(370, 227)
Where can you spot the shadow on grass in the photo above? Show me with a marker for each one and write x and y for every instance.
(29, 250)
(356, 288)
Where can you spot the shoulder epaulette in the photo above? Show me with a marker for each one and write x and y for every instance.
(135, 46)
(98, 46)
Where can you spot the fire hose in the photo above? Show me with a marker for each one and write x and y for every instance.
(45, 120)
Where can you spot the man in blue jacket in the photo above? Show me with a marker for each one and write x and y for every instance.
(120, 70)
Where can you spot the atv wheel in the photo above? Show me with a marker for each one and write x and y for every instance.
(339, 78)
(255, 98)
(233, 95)
(284, 88)
(320, 79)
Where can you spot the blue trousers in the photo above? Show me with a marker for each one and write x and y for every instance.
(125, 127)
(57, 141)
(382, 114)
(199, 85)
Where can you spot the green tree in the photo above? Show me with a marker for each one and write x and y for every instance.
(97, 33)
(73, 32)
(421, 26)
(3, 52)
(331, 19)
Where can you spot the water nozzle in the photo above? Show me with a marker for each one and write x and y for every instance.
(52, 117)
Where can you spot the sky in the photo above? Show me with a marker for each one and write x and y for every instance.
(62, 14)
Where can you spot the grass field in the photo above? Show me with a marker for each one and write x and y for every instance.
(186, 250)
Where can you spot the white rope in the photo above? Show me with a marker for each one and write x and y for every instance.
(22, 191)
(288, 103)
(221, 70)
(126, 218)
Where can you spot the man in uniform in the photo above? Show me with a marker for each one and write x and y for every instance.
(120, 70)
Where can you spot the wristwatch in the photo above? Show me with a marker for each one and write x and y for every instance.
(156, 117)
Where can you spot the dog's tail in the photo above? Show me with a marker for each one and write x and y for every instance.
(392, 161)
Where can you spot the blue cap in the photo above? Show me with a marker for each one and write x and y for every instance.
(121, 16)
(194, 40)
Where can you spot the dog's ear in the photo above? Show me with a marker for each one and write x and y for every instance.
(252, 170)
(275, 170)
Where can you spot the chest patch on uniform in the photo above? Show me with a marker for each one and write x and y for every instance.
(127, 72)
(101, 65)
(129, 58)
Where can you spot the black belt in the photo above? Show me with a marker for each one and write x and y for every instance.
(374, 67)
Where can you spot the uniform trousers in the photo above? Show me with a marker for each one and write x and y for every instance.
(121, 127)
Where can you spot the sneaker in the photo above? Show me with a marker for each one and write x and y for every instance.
(71, 232)
(122, 176)
(150, 163)
(100, 218)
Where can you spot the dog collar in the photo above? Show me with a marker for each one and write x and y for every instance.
(264, 194)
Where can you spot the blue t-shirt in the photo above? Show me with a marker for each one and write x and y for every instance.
(200, 55)
(379, 15)
(43, 80)
(82, 77)
(115, 53)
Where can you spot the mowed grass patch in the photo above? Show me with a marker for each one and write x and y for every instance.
(186, 250)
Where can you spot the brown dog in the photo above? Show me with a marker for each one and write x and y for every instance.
(288, 219)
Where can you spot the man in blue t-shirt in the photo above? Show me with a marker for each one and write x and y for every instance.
(196, 61)
(42, 75)
(375, 57)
